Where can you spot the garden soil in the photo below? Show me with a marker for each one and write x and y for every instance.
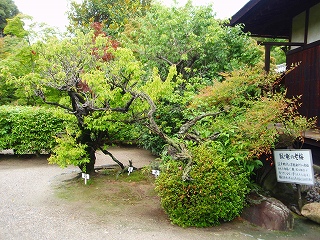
(30, 208)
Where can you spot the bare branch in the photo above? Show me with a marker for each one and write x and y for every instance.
(113, 157)
(40, 94)
(180, 151)
(126, 107)
(153, 126)
(166, 60)
(185, 127)
(59, 105)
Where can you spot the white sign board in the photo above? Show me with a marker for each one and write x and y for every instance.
(86, 177)
(156, 173)
(294, 166)
(130, 170)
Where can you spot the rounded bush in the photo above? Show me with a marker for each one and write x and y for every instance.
(216, 192)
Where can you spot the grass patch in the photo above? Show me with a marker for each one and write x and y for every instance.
(109, 191)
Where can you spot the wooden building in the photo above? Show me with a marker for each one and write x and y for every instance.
(299, 22)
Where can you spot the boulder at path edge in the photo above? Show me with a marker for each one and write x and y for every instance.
(312, 211)
(269, 213)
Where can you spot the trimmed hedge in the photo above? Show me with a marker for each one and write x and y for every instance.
(215, 194)
(30, 129)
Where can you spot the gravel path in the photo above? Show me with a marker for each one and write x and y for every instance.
(29, 209)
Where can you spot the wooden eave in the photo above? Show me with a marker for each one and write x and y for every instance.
(270, 18)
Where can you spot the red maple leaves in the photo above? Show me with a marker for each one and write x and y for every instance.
(98, 31)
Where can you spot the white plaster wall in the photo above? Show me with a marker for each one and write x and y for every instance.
(298, 26)
(314, 24)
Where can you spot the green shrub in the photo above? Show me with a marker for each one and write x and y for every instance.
(30, 129)
(215, 194)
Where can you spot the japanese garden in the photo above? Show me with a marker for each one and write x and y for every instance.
(175, 81)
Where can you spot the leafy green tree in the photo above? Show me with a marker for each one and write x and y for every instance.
(92, 78)
(198, 45)
(192, 39)
(17, 55)
(78, 73)
(15, 26)
(113, 14)
(8, 9)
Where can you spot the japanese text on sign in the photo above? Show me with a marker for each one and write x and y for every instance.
(294, 166)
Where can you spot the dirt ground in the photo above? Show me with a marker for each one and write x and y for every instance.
(32, 208)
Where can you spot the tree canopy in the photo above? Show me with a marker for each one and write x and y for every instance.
(192, 39)
(93, 79)
(16, 54)
(76, 82)
(199, 46)
(8, 9)
(113, 14)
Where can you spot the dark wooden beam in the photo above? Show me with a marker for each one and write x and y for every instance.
(267, 49)
(280, 43)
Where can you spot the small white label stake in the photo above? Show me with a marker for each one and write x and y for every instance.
(86, 177)
(130, 170)
(156, 173)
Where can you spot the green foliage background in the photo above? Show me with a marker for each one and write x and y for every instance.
(199, 46)
(113, 14)
(192, 39)
(8, 9)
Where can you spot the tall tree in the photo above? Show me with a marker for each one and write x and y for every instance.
(198, 45)
(8, 9)
(15, 53)
(191, 38)
(114, 14)
(91, 78)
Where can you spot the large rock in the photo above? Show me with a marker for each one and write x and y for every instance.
(284, 192)
(269, 213)
(312, 211)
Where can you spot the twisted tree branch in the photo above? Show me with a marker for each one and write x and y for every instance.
(182, 152)
(185, 127)
(113, 157)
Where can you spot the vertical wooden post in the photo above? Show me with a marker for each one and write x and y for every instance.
(299, 196)
(267, 49)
